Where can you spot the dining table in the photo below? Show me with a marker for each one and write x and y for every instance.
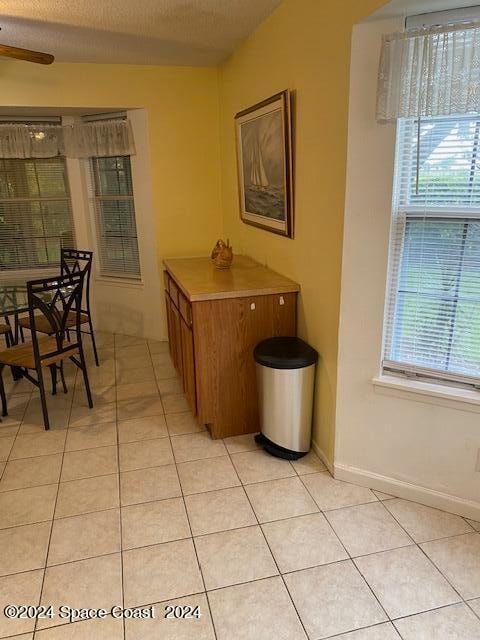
(13, 300)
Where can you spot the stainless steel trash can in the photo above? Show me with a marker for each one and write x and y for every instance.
(285, 369)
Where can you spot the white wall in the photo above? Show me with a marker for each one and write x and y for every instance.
(125, 306)
(394, 439)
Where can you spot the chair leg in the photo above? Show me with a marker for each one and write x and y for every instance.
(62, 378)
(94, 344)
(2, 394)
(43, 398)
(83, 367)
(16, 329)
(53, 373)
(16, 374)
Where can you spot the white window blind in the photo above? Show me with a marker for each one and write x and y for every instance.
(115, 217)
(35, 212)
(433, 309)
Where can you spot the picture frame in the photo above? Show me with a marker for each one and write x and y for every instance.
(265, 164)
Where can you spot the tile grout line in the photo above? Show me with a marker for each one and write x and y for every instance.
(267, 544)
(475, 613)
(171, 436)
(206, 534)
(35, 626)
(264, 579)
(206, 592)
(18, 430)
(120, 519)
(382, 500)
(421, 613)
(159, 544)
(372, 626)
(185, 507)
(418, 545)
(414, 543)
(349, 557)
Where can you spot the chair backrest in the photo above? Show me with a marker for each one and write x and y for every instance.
(55, 298)
(10, 297)
(76, 261)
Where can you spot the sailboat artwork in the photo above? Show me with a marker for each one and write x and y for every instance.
(264, 165)
(258, 175)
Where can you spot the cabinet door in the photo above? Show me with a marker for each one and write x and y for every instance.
(257, 326)
(188, 362)
(226, 333)
(177, 339)
(284, 314)
(171, 334)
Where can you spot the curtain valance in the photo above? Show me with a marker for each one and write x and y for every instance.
(83, 140)
(432, 71)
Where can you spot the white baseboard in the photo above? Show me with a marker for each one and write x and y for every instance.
(406, 490)
(323, 457)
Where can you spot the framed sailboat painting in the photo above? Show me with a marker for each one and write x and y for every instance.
(264, 159)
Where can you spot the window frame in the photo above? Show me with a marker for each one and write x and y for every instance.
(96, 199)
(42, 267)
(403, 212)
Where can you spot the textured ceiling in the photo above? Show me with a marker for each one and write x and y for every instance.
(171, 32)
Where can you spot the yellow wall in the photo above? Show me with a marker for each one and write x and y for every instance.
(303, 46)
(183, 113)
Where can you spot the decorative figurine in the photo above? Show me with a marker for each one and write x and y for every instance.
(222, 255)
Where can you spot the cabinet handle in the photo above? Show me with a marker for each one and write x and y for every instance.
(281, 301)
(252, 306)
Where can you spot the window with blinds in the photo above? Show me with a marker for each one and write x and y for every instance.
(433, 310)
(115, 217)
(35, 212)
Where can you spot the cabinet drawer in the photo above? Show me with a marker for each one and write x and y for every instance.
(173, 291)
(166, 280)
(185, 309)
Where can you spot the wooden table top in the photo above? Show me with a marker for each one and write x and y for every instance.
(200, 280)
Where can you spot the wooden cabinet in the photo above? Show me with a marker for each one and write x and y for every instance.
(180, 338)
(174, 336)
(177, 338)
(188, 363)
(213, 334)
(168, 313)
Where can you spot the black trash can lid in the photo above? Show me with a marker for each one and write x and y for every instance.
(285, 353)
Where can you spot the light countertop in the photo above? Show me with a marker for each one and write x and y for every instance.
(200, 280)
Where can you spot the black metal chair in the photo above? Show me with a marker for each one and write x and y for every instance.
(53, 301)
(6, 330)
(73, 261)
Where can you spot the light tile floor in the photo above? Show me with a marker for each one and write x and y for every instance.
(133, 504)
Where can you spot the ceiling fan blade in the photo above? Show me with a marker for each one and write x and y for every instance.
(26, 54)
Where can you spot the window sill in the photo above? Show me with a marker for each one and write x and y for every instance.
(120, 282)
(428, 392)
